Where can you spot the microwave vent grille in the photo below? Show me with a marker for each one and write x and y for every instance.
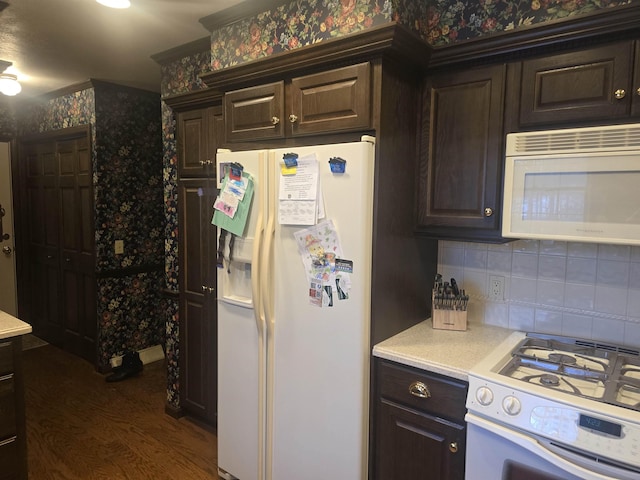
(575, 140)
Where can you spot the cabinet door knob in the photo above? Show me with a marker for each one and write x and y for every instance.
(275, 120)
(619, 94)
(453, 447)
(211, 289)
(420, 390)
(638, 91)
(293, 118)
(203, 163)
(488, 212)
(7, 251)
(204, 288)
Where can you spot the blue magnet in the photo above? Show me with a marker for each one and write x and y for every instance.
(290, 160)
(337, 164)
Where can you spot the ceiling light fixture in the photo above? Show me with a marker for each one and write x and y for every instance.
(115, 3)
(9, 84)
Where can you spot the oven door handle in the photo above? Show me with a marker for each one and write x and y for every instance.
(532, 444)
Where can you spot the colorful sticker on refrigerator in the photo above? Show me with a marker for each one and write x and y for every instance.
(315, 294)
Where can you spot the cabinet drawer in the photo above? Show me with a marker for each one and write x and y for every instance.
(428, 392)
(10, 460)
(7, 407)
(6, 358)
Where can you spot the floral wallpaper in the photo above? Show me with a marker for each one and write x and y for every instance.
(449, 21)
(304, 22)
(127, 182)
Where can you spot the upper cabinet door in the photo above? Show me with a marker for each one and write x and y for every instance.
(199, 135)
(330, 101)
(635, 93)
(584, 85)
(461, 167)
(255, 113)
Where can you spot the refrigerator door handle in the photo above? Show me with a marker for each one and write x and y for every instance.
(256, 292)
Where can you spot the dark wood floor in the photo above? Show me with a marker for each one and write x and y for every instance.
(80, 427)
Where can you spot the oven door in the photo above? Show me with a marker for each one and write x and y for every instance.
(500, 453)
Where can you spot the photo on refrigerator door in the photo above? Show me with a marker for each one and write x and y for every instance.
(320, 251)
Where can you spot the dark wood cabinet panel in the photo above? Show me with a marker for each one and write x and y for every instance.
(592, 84)
(255, 113)
(418, 437)
(13, 440)
(197, 143)
(460, 178)
(635, 88)
(333, 101)
(197, 259)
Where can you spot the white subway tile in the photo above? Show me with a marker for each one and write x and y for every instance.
(552, 267)
(523, 289)
(548, 321)
(549, 292)
(579, 296)
(525, 246)
(496, 314)
(611, 300)
(613, 273)
(579, 249)
(581, 270)
(632, 334)
(498, 261)
(552, 247)
(614, 252)
(475, 258)
(524, 265)
(608, 330)
(521, 318)
(579, 326)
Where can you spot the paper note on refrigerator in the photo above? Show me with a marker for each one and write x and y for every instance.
(298, 193)
(320, 251)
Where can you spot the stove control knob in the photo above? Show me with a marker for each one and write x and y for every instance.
(511, 405)
(484, 395)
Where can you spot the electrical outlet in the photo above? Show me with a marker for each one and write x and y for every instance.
(496, 287)
(119, 247)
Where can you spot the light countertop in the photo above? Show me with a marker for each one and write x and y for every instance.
(447, 352)
(10, 326)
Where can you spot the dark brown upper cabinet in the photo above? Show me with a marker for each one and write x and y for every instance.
(332, 101)
(197, 141)
(460, 173)
(600, 83)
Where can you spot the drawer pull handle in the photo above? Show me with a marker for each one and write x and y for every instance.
(420, 390)
(453, 447)
(8, 441)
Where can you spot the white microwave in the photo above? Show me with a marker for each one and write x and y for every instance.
(578, 184)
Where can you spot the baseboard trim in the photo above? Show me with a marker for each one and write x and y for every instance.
(147, 355)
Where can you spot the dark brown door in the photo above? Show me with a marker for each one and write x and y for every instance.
(198, 309)
(578, 86)
(43, 232)
(460, 179)
(416, 445)
(77, 258)
(60, 243)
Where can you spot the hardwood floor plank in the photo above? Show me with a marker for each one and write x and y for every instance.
(79, 427)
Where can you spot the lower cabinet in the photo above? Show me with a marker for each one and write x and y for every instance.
(13, 442)
(419, 430)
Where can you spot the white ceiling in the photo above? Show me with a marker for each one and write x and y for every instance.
(56, 43)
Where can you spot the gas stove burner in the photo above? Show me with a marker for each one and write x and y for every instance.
(549, 380)
(562, 358)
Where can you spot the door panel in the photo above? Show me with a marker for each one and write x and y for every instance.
(8, 293)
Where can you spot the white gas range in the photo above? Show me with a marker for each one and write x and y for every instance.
(551, 407)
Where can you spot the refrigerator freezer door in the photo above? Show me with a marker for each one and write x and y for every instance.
(241, 339)
(319, 357)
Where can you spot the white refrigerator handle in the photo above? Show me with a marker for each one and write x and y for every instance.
(256, 292)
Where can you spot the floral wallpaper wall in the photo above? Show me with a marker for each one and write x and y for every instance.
(304, 22)
(127, 182)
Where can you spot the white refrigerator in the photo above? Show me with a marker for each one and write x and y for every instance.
(293, 376)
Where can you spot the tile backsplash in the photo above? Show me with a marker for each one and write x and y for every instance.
(584, 290)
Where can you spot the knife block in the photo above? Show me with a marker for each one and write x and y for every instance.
(448, 319)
